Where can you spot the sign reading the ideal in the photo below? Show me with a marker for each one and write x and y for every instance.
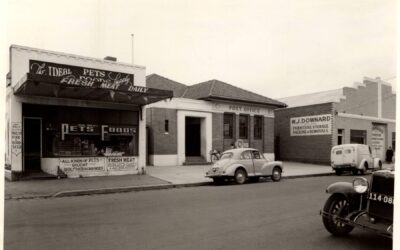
(85, 77)
(311, 125)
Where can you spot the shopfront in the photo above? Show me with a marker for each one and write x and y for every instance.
(75, 116)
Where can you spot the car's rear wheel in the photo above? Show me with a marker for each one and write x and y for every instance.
(336, 207)
(276, 174)
(240, 176)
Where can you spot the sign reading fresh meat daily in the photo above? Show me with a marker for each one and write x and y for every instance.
(311, 125)
(121, 163)
(85, 77)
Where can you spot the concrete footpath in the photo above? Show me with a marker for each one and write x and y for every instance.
(155, 178)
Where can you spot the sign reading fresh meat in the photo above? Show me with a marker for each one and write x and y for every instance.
(311, 125)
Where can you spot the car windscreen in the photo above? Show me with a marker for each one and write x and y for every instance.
(226, 155)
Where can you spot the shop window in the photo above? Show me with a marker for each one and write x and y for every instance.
(340, 136)
(358, 136)
(243, 126)
(166, 126)
(394, 141)
(258, 127)
(228, 126)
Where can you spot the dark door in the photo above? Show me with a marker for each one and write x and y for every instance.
(193, 136)
(32, 135)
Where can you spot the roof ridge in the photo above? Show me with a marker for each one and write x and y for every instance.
(212, 87)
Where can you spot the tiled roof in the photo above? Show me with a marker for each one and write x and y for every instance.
(215, 89)
(160, 82)
(314, 98)
(210, 90)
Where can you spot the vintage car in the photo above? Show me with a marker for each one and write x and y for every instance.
(244, 163)
(362, 203)
(356, 158)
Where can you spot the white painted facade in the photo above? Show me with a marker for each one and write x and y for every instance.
(19, 67)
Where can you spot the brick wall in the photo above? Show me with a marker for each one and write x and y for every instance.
(360, 101)
(312, 149)
(268, 135)
(161, 143)
(388, 103)
(217, 131)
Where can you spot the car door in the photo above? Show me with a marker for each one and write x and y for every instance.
(258, 162)
(246, 160)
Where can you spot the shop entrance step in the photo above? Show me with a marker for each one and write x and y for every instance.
(195, 160)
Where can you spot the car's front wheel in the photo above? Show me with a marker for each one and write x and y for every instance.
(276, 174)
(240, 176)
(336, 208)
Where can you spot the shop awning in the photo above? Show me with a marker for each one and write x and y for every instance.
(42, 86)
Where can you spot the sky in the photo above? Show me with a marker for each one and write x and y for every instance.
(274, 48)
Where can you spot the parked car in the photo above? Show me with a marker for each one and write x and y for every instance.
(356, 158)
(362, 203)
(244, 163)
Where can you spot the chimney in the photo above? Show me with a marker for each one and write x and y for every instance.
(110, 58)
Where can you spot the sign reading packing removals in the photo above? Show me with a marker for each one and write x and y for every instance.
(311, 125)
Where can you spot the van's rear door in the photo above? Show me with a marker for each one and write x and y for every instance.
(337, 156)
(349, 155)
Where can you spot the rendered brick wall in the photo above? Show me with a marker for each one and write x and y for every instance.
(312, 149)
(161, 143)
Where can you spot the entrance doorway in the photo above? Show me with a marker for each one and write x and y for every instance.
(193, 136)
(32, 144)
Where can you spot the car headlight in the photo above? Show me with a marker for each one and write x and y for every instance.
(360, 185)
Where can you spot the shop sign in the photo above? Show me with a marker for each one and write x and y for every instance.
(121, 163)
(82, 164)
(311, 125)
(16, 138)
(378, 141)
(110, 130)
(78, 129)
(244, 109)
(93, 129)
(84, 77)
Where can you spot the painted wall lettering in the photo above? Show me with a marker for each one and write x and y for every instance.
(311, 125)
(85, 77)
(16, 138)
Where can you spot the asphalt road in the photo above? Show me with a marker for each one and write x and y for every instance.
(265, 215)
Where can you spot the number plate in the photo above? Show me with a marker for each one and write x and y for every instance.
(381, 198)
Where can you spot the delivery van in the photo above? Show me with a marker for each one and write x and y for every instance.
(356, 158)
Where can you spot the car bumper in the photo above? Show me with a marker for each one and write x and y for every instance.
(216, 173)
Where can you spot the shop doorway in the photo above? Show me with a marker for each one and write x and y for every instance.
(192, 136)
(32, 144)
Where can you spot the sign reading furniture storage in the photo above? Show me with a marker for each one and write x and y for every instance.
(311, 125)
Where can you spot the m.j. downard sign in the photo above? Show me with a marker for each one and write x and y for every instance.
(311, 125)
(84, 77)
